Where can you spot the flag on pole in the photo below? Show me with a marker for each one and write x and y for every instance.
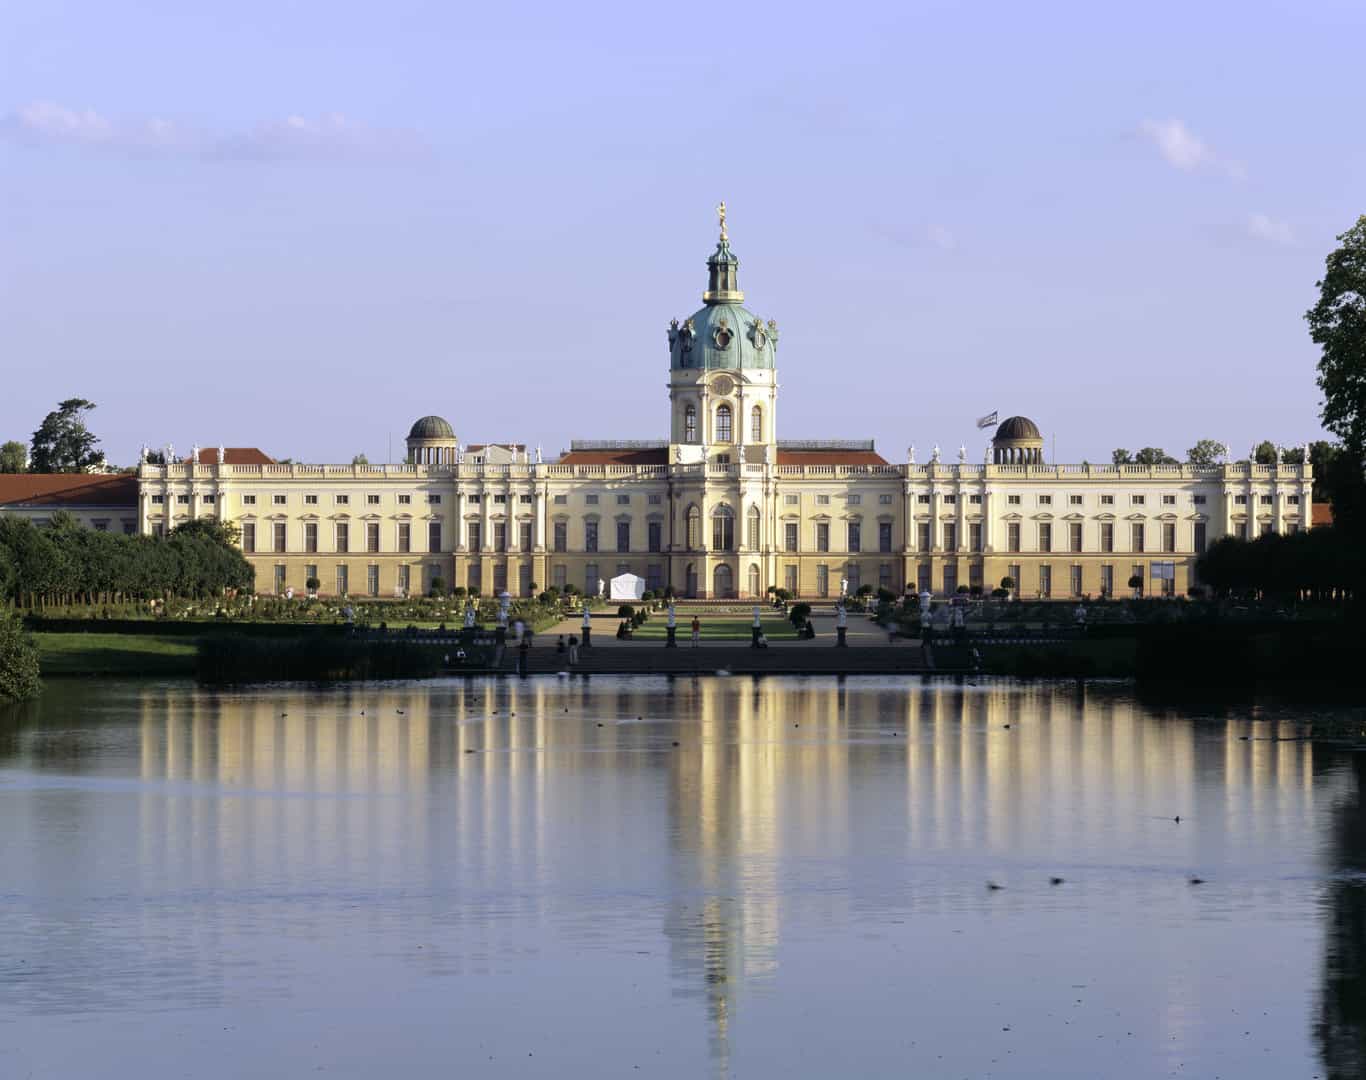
(987, 421)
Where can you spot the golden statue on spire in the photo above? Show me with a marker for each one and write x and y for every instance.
(721, 213)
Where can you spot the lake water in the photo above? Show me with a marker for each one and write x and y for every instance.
(687, 878)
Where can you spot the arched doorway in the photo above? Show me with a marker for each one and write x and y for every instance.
(723, 582)
(754, 579)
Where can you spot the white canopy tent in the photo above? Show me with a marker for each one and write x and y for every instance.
(627, 587)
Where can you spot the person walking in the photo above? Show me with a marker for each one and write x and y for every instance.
(573, 650)
(696, 631)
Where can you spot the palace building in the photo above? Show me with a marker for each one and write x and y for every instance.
(723, 507)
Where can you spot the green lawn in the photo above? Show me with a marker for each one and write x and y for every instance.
(714, 628)
(115, 654)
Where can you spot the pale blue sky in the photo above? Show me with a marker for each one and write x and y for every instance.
(300, 225)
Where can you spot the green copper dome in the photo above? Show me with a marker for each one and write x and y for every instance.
(431, 427)
(723, 334)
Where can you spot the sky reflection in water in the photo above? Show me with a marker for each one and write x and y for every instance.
(531, 879)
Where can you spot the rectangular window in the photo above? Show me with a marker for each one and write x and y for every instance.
(975, 577)
(822, 580)
(1137, 500)
(1240, 500)
(656, 500)
(1265, 529)
(343, 500)
(884, 536)
(1292, 500)
(372, 536)
(1107, 580)
(474, 576)
(855, 536)
(790, 535)
(401, 584)
(372, 580)
(1291, 528)
(561, 536)
(974, 500)
(590, 536)
(822, 500)
(1240, 530)
(791, 500)
(435, 500)
(1012, 500)
(405, 537)
(623, 536)
(160, 500)
(723, 533)
(1168, 536)
(434, 575)
(524, 500)
(433, 536)
(561, 500)
(1075, 580)
(129, 527)
(591, 500)
(500, 536)
(975, 536)
(950, 500)
(1013, 572)
(209, 500)
(560, 576)
(1264, 500)
(1107, 500)
(247, 500)
(279, 580)
(278, 536)
(311, 573)
(922, 500)
(884, 500)
(853, 500)
(623, 500)
(310, 536)
(654, 577)
(1199, 537)
(1198, 500)
(1012, 536)
(500, 500)
(1074, 535)
(500, 578)
(950, 578)
(524, 537)
(654, 533)
(790, 578)
(476, 531)
(590, 579)
(1045, 536)
(1168, 500)
(1136, 536)
(926, 540)
(884, 575)
(405, 500)
(277, 500)
(249, 537)
(182, 500)
(343, 536)
(1045, 581)
(343, 584)
(822, 537)
(1107, 536)
(950, 536)
(1045, 500)
(752, 525)
(372, 500)
(1074, 500)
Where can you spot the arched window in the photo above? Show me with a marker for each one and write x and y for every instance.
(752, 529)
(690, 424)
(723, 529)
(694, 528)
(754, 579)
(723, 433)
(756, 424)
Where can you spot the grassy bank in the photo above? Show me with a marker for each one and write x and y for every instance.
(714, 628)
(61, 655)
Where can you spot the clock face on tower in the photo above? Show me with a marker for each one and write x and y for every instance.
(722, 385)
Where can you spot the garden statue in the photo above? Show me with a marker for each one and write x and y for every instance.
(925, 604)
(841, 617)
(910, 453)
(504, 602)
(962, 455)
(757, 621)
(672, 621)
(469, 616)
(935, 455)
(587, 619)
(844, 588)
(194, 454)
(602, 586)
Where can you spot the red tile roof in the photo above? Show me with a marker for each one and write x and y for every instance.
(830, 457)
(653, 456)
(234, 455)
(1321, 513)
(57, 490)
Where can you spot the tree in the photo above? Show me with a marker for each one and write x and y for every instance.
(1322, 454)
(1205, 453)
(1265, 453)
(1337, 324)
(13, 457)
(360, 459)
(18, 660)
(62, 442)
(1121, 456)
(1154, 455)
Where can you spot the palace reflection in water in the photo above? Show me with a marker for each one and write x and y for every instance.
(196, 849)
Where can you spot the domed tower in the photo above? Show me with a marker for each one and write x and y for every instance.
(431, 441)
(1017, 442)
(723, 386)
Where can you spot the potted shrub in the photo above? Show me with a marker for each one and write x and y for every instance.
(437, 588)
(1136, 583)
(312, 585)
(1008, 584)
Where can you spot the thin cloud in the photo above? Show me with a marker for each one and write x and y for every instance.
(1261, 227)
(334, 137)
(929, 235)
(1182, 149)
